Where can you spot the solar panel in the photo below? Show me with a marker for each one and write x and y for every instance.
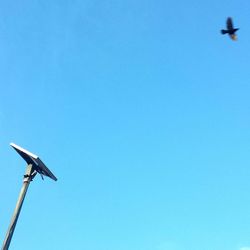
(33, 159)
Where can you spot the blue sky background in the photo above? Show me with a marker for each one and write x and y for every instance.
(141, 109)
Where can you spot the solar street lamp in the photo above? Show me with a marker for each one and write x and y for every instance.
(35, 165)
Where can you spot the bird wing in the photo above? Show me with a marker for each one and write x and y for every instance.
(229, 23)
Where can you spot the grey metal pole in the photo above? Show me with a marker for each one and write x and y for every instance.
(29, 175)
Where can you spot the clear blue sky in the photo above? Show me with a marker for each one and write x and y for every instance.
(142, 111)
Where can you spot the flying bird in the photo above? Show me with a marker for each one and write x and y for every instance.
(230, 29)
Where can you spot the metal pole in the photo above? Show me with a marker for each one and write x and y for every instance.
(29, 175)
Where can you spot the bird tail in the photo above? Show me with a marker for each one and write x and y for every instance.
(224, 32)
